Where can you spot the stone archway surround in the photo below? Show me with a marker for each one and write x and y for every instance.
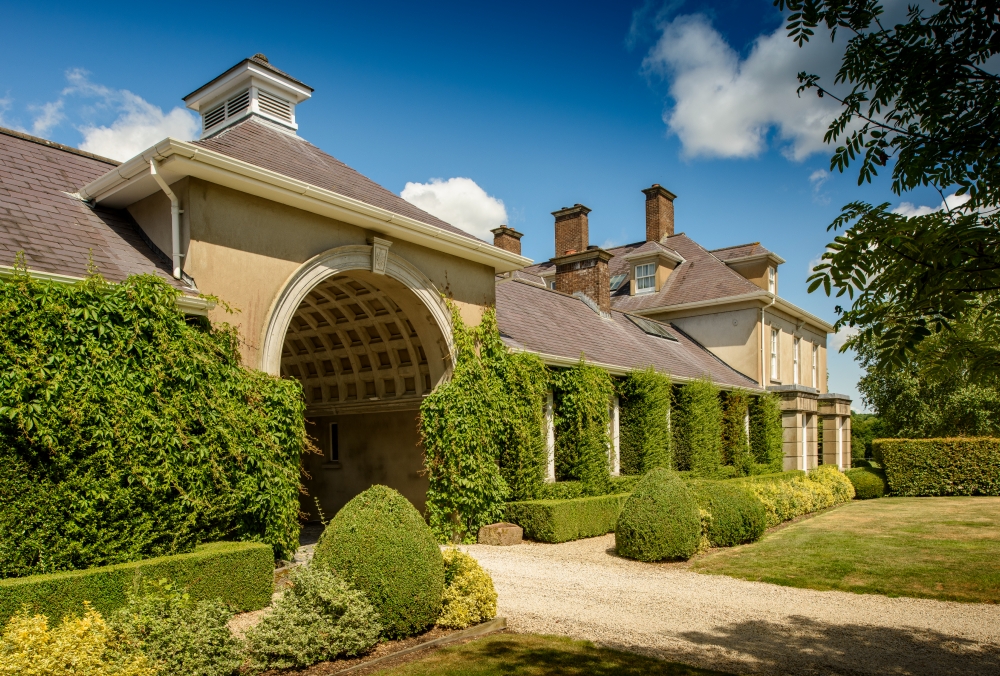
(339, 261)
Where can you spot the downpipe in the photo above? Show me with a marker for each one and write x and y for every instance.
(175, 218)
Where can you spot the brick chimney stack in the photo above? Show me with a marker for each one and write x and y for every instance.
(659, 213)
(571, 229)
(507, 239)
(580, 269)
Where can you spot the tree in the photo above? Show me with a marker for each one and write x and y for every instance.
(918, 96)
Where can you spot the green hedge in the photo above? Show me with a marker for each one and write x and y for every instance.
(774, 476)
(731, 513)
(660, 520)
(240, 573)
(951, 466)
(645, 437)
(869, 482)
(567, 490)
(565, 520)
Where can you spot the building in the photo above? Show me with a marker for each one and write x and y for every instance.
(339, 282)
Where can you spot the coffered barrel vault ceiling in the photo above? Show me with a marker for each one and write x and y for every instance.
(353, 347)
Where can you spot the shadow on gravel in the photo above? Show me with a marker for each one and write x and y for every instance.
(809, 647)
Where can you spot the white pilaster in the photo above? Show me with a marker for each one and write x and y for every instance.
(550, 439)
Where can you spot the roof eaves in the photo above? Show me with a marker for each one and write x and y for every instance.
(187, 159)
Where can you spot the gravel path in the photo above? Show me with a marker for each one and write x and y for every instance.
(581, 589)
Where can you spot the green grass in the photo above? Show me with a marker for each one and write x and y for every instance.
(531, 655)
(937, 548)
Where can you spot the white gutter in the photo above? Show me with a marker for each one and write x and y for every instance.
(189, 305)
(179, 158)
(175, 218)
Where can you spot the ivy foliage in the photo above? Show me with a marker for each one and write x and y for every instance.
(697, 424)
(582, 398)
(483, 432)
(644, 435)
(735, 440)
(766, 436)
(128, 432)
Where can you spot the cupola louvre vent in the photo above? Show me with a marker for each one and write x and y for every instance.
(272, 105)
(229, 109)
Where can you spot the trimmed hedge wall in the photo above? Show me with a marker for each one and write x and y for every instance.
(240, 573)
(565, 520)
(774, 476)
(950, 466)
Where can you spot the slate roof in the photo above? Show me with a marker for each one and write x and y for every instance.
(261, 145)
(727, 253)
(58, 233)
(701, 277)
(549, 322)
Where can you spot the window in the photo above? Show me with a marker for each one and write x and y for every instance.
(333, 452)
(645, 278)
(772, 280)
(774, 354)
(552, 285)
(795, 361)
(815, 367)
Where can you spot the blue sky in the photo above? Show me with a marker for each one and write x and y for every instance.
(541, 105)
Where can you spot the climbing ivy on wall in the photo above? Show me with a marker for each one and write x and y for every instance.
(697, 424)
(644, 425)
(482, 431)
(582, 397)
(127, 431)
(766, 433)
(735, 441)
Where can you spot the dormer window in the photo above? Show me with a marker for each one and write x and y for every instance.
(772, 279)
(645, 278)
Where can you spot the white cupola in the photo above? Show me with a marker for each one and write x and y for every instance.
(251, 87)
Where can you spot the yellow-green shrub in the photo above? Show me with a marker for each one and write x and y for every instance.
(83, 646)
(786, 500)
(469, 596)
(836, 481)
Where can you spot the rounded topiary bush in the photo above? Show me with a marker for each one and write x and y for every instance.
(868, 482)
(660, 521)
(732, 514)
(380, 544)
(834, 479)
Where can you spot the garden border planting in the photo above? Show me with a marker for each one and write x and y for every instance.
(565, 520)
(240, 573)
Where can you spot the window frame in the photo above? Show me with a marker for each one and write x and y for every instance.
(797, 361)
(815, 366)
(652, 277)
(775, 362)
(772, 279)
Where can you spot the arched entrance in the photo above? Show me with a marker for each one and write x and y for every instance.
(368, 339)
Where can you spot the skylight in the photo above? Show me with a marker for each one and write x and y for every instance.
(652, 328)
(617, 280)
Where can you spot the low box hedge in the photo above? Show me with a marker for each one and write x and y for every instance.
(565, 520)
(774, 476)
(952, 466)
(240, 573)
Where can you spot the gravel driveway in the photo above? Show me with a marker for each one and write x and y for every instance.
(582, 589)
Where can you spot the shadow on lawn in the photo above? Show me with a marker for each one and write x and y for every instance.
(517, 658)
(809, 646)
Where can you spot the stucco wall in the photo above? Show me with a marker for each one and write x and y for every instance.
(375, 448)
(756, 271)
(243, 249)
(731, 335)
(789, 329)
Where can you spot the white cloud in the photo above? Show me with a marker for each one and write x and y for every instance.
(950, 202)
(49, 115)
(138, 125)
(818, 178)
(838, 339)
(726, 106)
(459, 201)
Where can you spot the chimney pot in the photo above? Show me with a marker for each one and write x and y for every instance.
(659, 213)
(507, 239)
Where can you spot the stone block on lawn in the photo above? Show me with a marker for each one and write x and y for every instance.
(502, 534)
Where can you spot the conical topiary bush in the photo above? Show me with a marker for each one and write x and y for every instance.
(380, 544)
(660, 521)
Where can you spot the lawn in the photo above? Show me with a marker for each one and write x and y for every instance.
(937, 548)
(531, 655)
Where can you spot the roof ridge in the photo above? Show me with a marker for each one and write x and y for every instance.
(734, 246)
(57, 146)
